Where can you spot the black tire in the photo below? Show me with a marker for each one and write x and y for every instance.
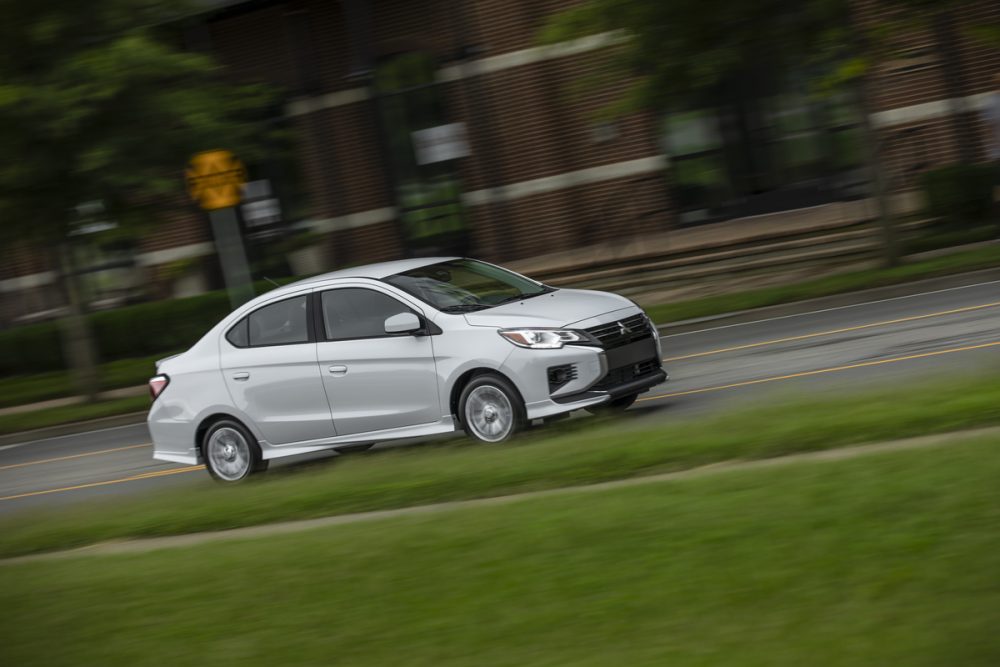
(614, 406)
(490, 409)
(230, 452)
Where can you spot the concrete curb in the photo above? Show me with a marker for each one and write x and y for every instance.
(833, 301)
(846, 452)
(73, 428)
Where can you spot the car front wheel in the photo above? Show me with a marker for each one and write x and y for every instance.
(231, 452)
(491, 409)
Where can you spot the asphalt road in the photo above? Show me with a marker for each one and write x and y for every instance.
(876, 343)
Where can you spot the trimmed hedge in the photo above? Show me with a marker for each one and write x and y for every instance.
(141, 330)
(959, 194)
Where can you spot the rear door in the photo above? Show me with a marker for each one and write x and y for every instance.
(374, 380)
(269, 363)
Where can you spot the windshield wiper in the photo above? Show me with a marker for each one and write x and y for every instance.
(464, 308)
(522, 297)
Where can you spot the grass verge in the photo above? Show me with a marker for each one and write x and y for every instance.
(939, 237)
(583, 451)
(65, 414)
(966, 260)
(24, 389)
(886, 560)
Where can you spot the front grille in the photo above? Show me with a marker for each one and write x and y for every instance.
(559, 376)
(617, 376)
(610, 335)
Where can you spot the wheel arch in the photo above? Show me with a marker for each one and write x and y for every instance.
(208, 421)
(465, 378)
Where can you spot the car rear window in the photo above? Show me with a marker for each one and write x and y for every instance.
(281, 323)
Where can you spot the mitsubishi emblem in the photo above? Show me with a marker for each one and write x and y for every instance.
(623, 329)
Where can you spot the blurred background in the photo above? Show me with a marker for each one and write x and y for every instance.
(666, 150)
(802, 195)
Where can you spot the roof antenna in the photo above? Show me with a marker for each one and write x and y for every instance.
(270, 281)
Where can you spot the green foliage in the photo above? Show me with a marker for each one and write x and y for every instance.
(148, 328)
(134, 331)
(942, 236)
(142, 330)
(679, 50)
(97, 104)
(959, 194)
(27, 389)
(988, 34)
(33, 348)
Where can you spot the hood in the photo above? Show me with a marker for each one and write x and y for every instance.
(562, 308)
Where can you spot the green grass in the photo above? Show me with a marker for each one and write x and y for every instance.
(24, 389)
(967, 260)
(939, 237)
(885, 560)
(26, 421)
(582, 451)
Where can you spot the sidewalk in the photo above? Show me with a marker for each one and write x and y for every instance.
(698, 238)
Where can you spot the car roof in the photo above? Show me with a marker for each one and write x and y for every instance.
(370, 271)
(376, 271)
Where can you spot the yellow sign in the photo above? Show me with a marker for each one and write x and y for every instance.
(215, 179)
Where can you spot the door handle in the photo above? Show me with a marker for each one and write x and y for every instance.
(338, 370)
(241, 376)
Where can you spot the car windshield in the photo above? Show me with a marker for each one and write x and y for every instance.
(465, 285)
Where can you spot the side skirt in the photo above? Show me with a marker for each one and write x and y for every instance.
(444, 425)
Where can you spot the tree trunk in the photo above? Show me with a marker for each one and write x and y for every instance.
(873, 146)
(880, 189)
(78, 340)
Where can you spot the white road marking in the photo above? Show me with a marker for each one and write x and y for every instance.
(827, 310)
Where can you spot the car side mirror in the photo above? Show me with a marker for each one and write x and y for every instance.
(402, 323)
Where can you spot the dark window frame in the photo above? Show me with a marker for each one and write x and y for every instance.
(427, 328)
(245, 320)
(245, 323)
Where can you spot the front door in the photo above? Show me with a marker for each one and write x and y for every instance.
(269, 364)
(374, 381)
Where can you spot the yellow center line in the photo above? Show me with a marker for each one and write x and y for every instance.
(133, 478)
(73, 456)
(832, 332)
(820, 371)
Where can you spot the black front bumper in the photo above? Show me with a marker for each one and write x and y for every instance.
(632, 369)
(634, 386)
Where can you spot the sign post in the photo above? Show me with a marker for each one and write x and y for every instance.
(215, 179)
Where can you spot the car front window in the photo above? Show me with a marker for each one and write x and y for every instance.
(464, 285)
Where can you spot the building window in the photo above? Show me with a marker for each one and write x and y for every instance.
(762, 143)
(422, 147)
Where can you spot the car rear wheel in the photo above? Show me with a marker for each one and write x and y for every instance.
(614, 406)
(231, 452)
(490, 409)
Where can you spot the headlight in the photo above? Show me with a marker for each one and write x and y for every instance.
(541, 339)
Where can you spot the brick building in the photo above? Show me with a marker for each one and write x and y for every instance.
(445, 127)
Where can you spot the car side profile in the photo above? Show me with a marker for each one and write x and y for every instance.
(396, 350)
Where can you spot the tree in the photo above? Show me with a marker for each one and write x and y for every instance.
(98, 102)
(676, 52)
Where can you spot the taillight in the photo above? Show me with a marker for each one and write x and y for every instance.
(157, 384)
